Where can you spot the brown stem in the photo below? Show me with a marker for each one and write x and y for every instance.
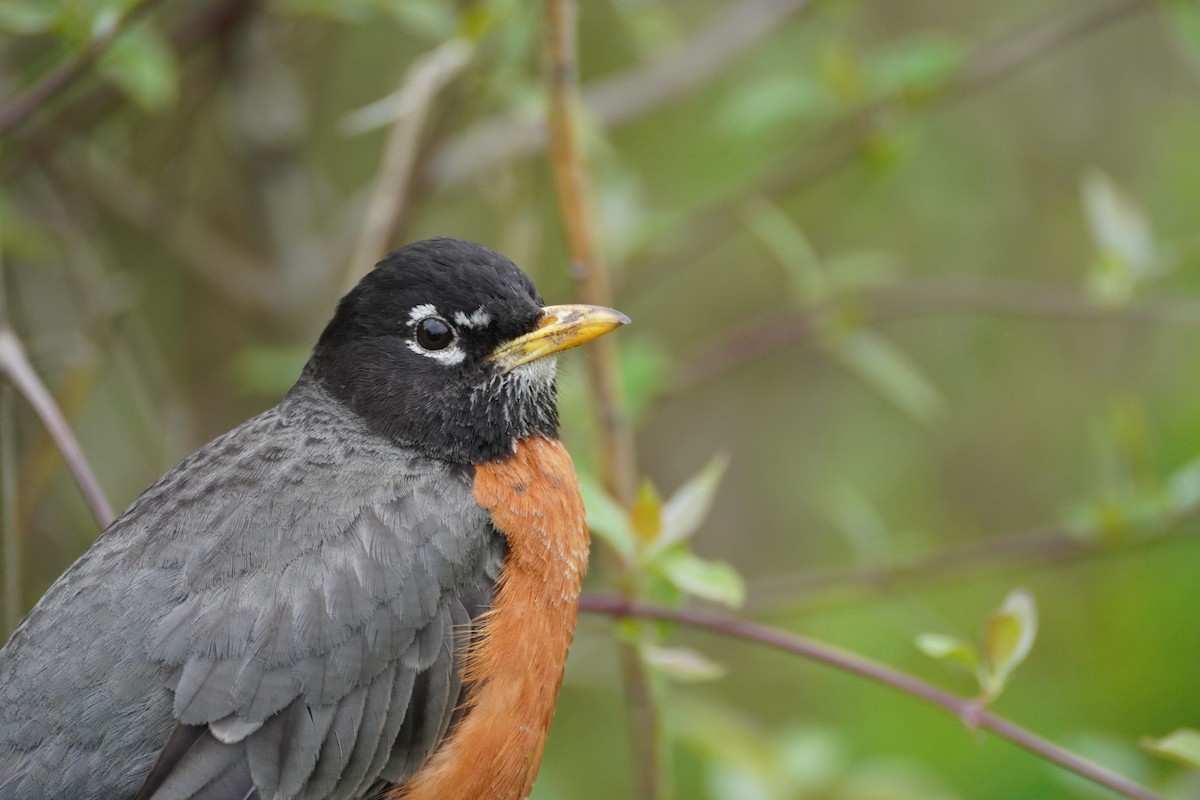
(20, 108)
(16, 367)
(592, 283)
(618, 462)
(623, 96)
(968, 711)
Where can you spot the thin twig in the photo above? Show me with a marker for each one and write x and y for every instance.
(956, 295)
(969, 711)
(592, 283)
(215, 22)
(618, 461)
(623, 96)
(1048, 546)
(16, 367)
(20, 108)
(409, 108)
(840, 142)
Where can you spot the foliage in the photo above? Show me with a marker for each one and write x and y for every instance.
(925, 275)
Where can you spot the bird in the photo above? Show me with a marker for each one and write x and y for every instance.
(367, 591)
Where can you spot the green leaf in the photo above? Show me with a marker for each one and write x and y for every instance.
(950, 649)
(681, 663)
(861, 522)
(1182, 745)
(755, 110)
(711, 580)
(607, 519)
(918, 68)
(1183, 488)
(687, 509)
(1007, 639)
(791, 249)
(886, 368)
(142, 65)
(1125, 249)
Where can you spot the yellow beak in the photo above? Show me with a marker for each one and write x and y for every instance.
(561, 328)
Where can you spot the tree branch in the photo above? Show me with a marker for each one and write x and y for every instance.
(618, 461)
(16, 367)
(20, 108)
(969, 711)
(407, 109)
(956, 295)
(621, 97)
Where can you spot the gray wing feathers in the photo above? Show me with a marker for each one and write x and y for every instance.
(294, 601)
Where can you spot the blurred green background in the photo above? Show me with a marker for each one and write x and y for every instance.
(926, 272)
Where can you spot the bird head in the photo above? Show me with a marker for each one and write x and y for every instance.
(446, 347)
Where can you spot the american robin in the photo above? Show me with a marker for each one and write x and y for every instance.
(367, 591)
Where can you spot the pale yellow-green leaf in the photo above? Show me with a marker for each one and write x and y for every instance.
(792, 250)
(865, 529)
(887, 369)
(681, 663)
(688, 507)
(1009, 636)
(1125, 247)
(1182, 745)
(142, 64)
(710, 580)
(950, 649)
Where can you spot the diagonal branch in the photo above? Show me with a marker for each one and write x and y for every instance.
(16, 368)
(20, 108)
(969, 711)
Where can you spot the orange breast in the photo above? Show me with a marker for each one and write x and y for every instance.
(516, 667)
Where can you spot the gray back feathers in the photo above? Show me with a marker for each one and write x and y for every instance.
(284, 611)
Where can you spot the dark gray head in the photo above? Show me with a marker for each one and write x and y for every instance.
(446, 347)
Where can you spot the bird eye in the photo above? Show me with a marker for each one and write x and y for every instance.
(434, 334)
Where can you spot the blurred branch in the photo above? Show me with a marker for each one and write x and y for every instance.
(215, 259)
(407, 110)
(758, 337)
(214, 21)
(840, 142)
(618, 461)
(17, 369)
(621, 97)
(968, 711)
(58, 79)
(1049, 545)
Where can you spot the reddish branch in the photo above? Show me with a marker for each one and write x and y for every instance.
(969, 711)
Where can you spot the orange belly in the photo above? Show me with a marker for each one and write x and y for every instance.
(516, 668)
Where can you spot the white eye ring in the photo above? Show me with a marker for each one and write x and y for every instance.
(449, 353)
